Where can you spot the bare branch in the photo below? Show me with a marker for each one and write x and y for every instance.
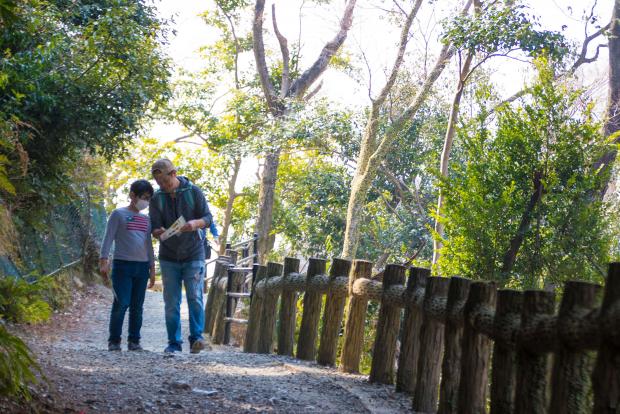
(369, 74)
(581, 59)
(401, 187)
(285, 54)
(235, 39)
(259, 56)
(313, 92)
(184, 140)
(398, 6)
(301, 6)
(393, 209)
(400, 55)
(301, 85)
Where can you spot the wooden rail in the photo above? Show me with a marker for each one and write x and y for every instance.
(229, 284)
(457, 336)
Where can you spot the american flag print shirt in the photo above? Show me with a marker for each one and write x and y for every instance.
(130, 233)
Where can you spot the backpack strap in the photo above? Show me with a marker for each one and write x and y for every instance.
(188, 195)
(160, 199)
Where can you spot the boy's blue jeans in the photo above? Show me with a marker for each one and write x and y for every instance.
(129, 286)
(174, 275)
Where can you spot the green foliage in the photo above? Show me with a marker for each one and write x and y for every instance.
(548, 136)
(311, 205)
(18, 367)
(500, 28)
(75, 77)
(23, 302)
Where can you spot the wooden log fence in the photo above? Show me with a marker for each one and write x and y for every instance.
(465, 346)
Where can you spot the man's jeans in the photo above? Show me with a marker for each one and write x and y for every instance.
(174, 275)
(129, 286)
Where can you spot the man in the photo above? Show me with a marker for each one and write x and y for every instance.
(181, 257)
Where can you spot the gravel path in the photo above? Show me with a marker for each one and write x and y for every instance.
(85, 377)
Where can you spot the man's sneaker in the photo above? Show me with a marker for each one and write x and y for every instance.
(114, 346)
(134, 346)
(197, 346)
(171, 348)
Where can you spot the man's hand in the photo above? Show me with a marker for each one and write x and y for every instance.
(151, 277)
(104, 268)
(192, 225)
(158, 232)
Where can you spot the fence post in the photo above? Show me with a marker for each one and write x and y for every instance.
(234, 282)
(255, 248)
(288, 310)
(332, 315)
(606, 375)
(533, 366)
(453, 333)
(256, 308)
(215, 297)
(220, 311)
(410, 334)
(308, 332)
(384, 349)
(431, 348)
(504, 372)
(229, 305)
(354, 324)
(476, 348)
(268, 316)
(571, 379)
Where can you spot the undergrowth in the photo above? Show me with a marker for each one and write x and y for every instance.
(26, 302)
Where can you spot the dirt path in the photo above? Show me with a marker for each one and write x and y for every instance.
(85, 377)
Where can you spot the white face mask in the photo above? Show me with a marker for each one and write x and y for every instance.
(142, 204)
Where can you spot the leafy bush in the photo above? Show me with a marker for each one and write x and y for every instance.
(520, 208)
(17, 365)
(23, 302)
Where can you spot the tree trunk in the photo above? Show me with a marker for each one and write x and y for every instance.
(515, 243)
(276, 105)
(357, 200)
(266, 198)
(612, 124)
(447, 147)
(374, 151)
(232, 195)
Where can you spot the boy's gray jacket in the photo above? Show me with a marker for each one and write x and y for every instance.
(189, 202)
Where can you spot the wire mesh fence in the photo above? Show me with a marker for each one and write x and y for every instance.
(59, 240)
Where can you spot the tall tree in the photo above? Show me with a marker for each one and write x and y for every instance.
(519, 209)
(497, 30)
(375, 143)
(75, 78)
(612, 122)
(291, 89)
(243, 114)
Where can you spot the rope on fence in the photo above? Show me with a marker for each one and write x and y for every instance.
(450, 329)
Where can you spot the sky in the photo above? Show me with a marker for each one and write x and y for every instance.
(376, 37)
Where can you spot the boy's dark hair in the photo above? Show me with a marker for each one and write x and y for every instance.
(141, 187)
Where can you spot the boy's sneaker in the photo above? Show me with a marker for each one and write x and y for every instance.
(134, 346)
(197, 346)
(171, 348)
(114, 346)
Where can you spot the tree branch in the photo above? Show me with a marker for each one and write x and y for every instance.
(285, 54)
(259, 56)
(301, 85)
(581, 59)
(402, 46)
(515, 244)
(314, 91)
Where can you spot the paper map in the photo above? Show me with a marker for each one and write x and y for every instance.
(174, 229)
